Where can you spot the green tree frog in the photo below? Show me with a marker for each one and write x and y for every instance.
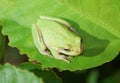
(54, 37)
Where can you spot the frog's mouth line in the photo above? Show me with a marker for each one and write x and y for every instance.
(62, 54)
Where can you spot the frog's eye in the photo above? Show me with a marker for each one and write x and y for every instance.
(67, 50)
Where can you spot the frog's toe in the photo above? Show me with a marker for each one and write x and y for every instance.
(62, 57)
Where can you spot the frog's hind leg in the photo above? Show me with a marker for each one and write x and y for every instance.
(38, 40)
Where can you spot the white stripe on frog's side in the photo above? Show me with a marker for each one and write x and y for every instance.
(56, 19)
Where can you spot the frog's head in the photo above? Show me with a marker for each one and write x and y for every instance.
(73, 48)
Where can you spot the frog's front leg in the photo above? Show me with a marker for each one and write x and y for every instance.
(39, 41)
(59, 56)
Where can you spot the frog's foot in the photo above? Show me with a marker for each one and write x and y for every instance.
(59, 56)
(63, 57)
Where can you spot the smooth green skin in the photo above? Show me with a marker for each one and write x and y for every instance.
(53, 37)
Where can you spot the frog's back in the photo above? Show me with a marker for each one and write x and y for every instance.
(54, 32)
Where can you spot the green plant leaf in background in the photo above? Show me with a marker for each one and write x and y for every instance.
(47, 75)
(97, 22)
(10, 74)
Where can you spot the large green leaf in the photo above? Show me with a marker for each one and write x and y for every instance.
(97, 22)
(10, 74)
